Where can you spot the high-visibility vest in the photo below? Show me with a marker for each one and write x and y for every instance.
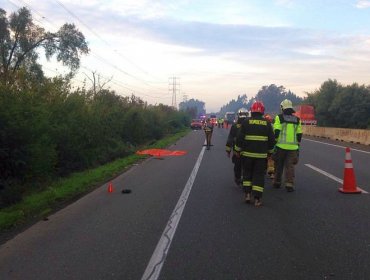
(289, 127)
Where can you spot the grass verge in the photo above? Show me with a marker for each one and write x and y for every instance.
(39, 205)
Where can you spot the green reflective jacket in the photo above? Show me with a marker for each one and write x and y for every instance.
(289, 126)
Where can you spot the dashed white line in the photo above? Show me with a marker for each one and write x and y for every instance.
(154, 267)
(331, 176)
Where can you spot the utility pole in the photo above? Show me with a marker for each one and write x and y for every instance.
(174, 88)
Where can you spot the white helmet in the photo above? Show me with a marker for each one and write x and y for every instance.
(286, 104)
(243, 113)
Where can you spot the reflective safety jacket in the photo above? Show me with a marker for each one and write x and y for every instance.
(231, 139)
(256, 138)
(208, 128)
(288, 130)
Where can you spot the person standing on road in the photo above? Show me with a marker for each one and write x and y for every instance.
(254, 143)
(208, 129)
(230, 145)
(288, 132)
(270, 161)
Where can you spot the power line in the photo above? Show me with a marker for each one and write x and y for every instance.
(102, 39)
(131, 89)
(93, 53)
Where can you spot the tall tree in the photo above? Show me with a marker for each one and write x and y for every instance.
(194, 107)
(21, 39)
(272, 95)
(337, 105)
(234, 105)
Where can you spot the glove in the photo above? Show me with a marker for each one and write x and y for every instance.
(237, 154)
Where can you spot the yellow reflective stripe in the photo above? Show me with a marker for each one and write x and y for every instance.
(257, 188)
(247, 183)
(228, 149)
(271, 151)
(254, 155)
(236, 148)
(259, 122)
(270, 169)
(255, 137)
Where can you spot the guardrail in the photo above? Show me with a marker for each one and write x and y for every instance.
(359, 136)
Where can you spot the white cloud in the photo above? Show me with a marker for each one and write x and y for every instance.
(285, 3)
(363, 4)
(219, 51)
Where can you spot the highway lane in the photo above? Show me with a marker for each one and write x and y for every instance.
(104, 236)
(313, 233)
(329, 156)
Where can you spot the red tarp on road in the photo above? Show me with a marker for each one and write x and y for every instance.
(161, 152)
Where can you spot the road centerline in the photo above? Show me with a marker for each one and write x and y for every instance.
(159, 255)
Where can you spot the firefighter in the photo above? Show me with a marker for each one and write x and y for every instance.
(270, 161)
(220, 122)
(208, 129)
(230, 145)
(254, 143)
(288, 132)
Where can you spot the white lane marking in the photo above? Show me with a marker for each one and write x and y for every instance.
(331, 176)
(336, 145)
(154, 267)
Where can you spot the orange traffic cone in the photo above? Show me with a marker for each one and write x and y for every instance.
(110, 187)
(349, 180)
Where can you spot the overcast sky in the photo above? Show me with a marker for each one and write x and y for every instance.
(216, 49)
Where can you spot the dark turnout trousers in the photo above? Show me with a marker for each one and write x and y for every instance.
(237, 166)
(254, 170)
(285, 160)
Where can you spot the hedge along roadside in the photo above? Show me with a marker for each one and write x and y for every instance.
(39, 205)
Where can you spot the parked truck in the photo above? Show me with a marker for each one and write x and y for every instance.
(306, 113)
(230, 117)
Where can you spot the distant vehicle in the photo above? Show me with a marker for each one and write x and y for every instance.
(306, 113)
(213, 119)
(230, 117)
(196, 124)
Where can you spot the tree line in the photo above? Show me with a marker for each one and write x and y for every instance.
(48, 129)
(337, 105)
(270, 95)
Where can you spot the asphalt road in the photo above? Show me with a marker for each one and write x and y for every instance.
(315, 232)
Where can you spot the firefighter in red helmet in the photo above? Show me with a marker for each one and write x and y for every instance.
(254, 143)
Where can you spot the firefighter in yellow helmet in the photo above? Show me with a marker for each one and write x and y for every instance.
(288, 133)
(254, 143)
(230, 145)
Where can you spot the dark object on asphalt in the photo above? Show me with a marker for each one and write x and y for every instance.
(126, 191)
